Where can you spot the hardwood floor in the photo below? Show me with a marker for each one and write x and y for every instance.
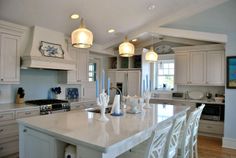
(212, 148)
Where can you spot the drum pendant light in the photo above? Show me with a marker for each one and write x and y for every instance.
(126, 49)
(151, 55)
(82, 37)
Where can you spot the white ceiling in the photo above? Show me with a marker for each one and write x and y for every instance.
(128, 17)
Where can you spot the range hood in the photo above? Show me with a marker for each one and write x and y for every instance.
(47, 49)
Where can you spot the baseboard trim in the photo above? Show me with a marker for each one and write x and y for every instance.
(229, 143)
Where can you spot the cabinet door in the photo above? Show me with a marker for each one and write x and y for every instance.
(197, 68)
(120, 76)
(215, 67)
(72, 74)
(133, 83)
(10, 59)
(112, 76)
(88, 90)
(82, 69)
(182, 68)
(34, 144)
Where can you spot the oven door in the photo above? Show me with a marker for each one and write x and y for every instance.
(214, 112)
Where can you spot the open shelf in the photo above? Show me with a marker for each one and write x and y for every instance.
(134, 62)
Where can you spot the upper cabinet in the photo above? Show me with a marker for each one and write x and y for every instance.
(182, 68)
(200, 65)
(215, 63)
(80, 75)
(9, 59)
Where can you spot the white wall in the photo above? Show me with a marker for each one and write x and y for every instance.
(221, 19)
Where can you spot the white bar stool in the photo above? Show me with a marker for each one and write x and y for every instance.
(154, 147)
(174, 137)
(193, 144)
(184, 144)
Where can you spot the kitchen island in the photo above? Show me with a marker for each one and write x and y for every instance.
(47, 136)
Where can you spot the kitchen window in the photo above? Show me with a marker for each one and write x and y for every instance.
(164, 77)
(92, 72)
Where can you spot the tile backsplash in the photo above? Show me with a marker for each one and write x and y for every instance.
(205, 89)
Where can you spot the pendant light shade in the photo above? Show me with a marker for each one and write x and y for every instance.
(126, 49)
(151, 55)
(82, 37)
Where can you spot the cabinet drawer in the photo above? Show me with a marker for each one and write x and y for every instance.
(9, 148)
(8, 130)
(27, 113)
(5, 116)
(211, 128)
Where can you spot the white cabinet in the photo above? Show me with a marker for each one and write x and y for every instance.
(211, 128)
(9, 143)
(200, 66)
(80, 75)
(215, 63)
(35, 144)
(130, 81)
(9, 59)
(182, 68)
(133, 83)
(197, 66)
(88, 90)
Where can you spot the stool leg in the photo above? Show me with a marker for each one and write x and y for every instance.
(195, 151)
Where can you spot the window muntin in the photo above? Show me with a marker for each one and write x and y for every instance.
(165, 74)
(92, 72)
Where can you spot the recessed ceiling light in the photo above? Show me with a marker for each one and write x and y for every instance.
(151, 7)
(111, 30)
(134, 40)
(74, 16)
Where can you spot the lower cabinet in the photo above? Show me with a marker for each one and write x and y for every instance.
(211, 128)
(9, 139)
(34, 144)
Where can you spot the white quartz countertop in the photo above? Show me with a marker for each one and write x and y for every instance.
(206, 101)
(84, 128)
(13, 106)
(82, 100)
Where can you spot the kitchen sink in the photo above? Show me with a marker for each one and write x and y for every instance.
(97, 110)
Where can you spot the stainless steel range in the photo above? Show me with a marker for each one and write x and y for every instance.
(49, 106)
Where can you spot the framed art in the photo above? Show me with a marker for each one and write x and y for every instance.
(51, 49)
(231, 72)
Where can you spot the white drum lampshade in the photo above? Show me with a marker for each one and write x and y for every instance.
(82, 37)
(151, 55)
(126, 49)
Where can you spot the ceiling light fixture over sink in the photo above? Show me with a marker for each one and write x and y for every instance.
(82, 37)
(126, 49)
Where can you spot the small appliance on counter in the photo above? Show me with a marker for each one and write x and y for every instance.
(20, 96)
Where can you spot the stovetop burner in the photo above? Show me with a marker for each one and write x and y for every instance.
(49, 106)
